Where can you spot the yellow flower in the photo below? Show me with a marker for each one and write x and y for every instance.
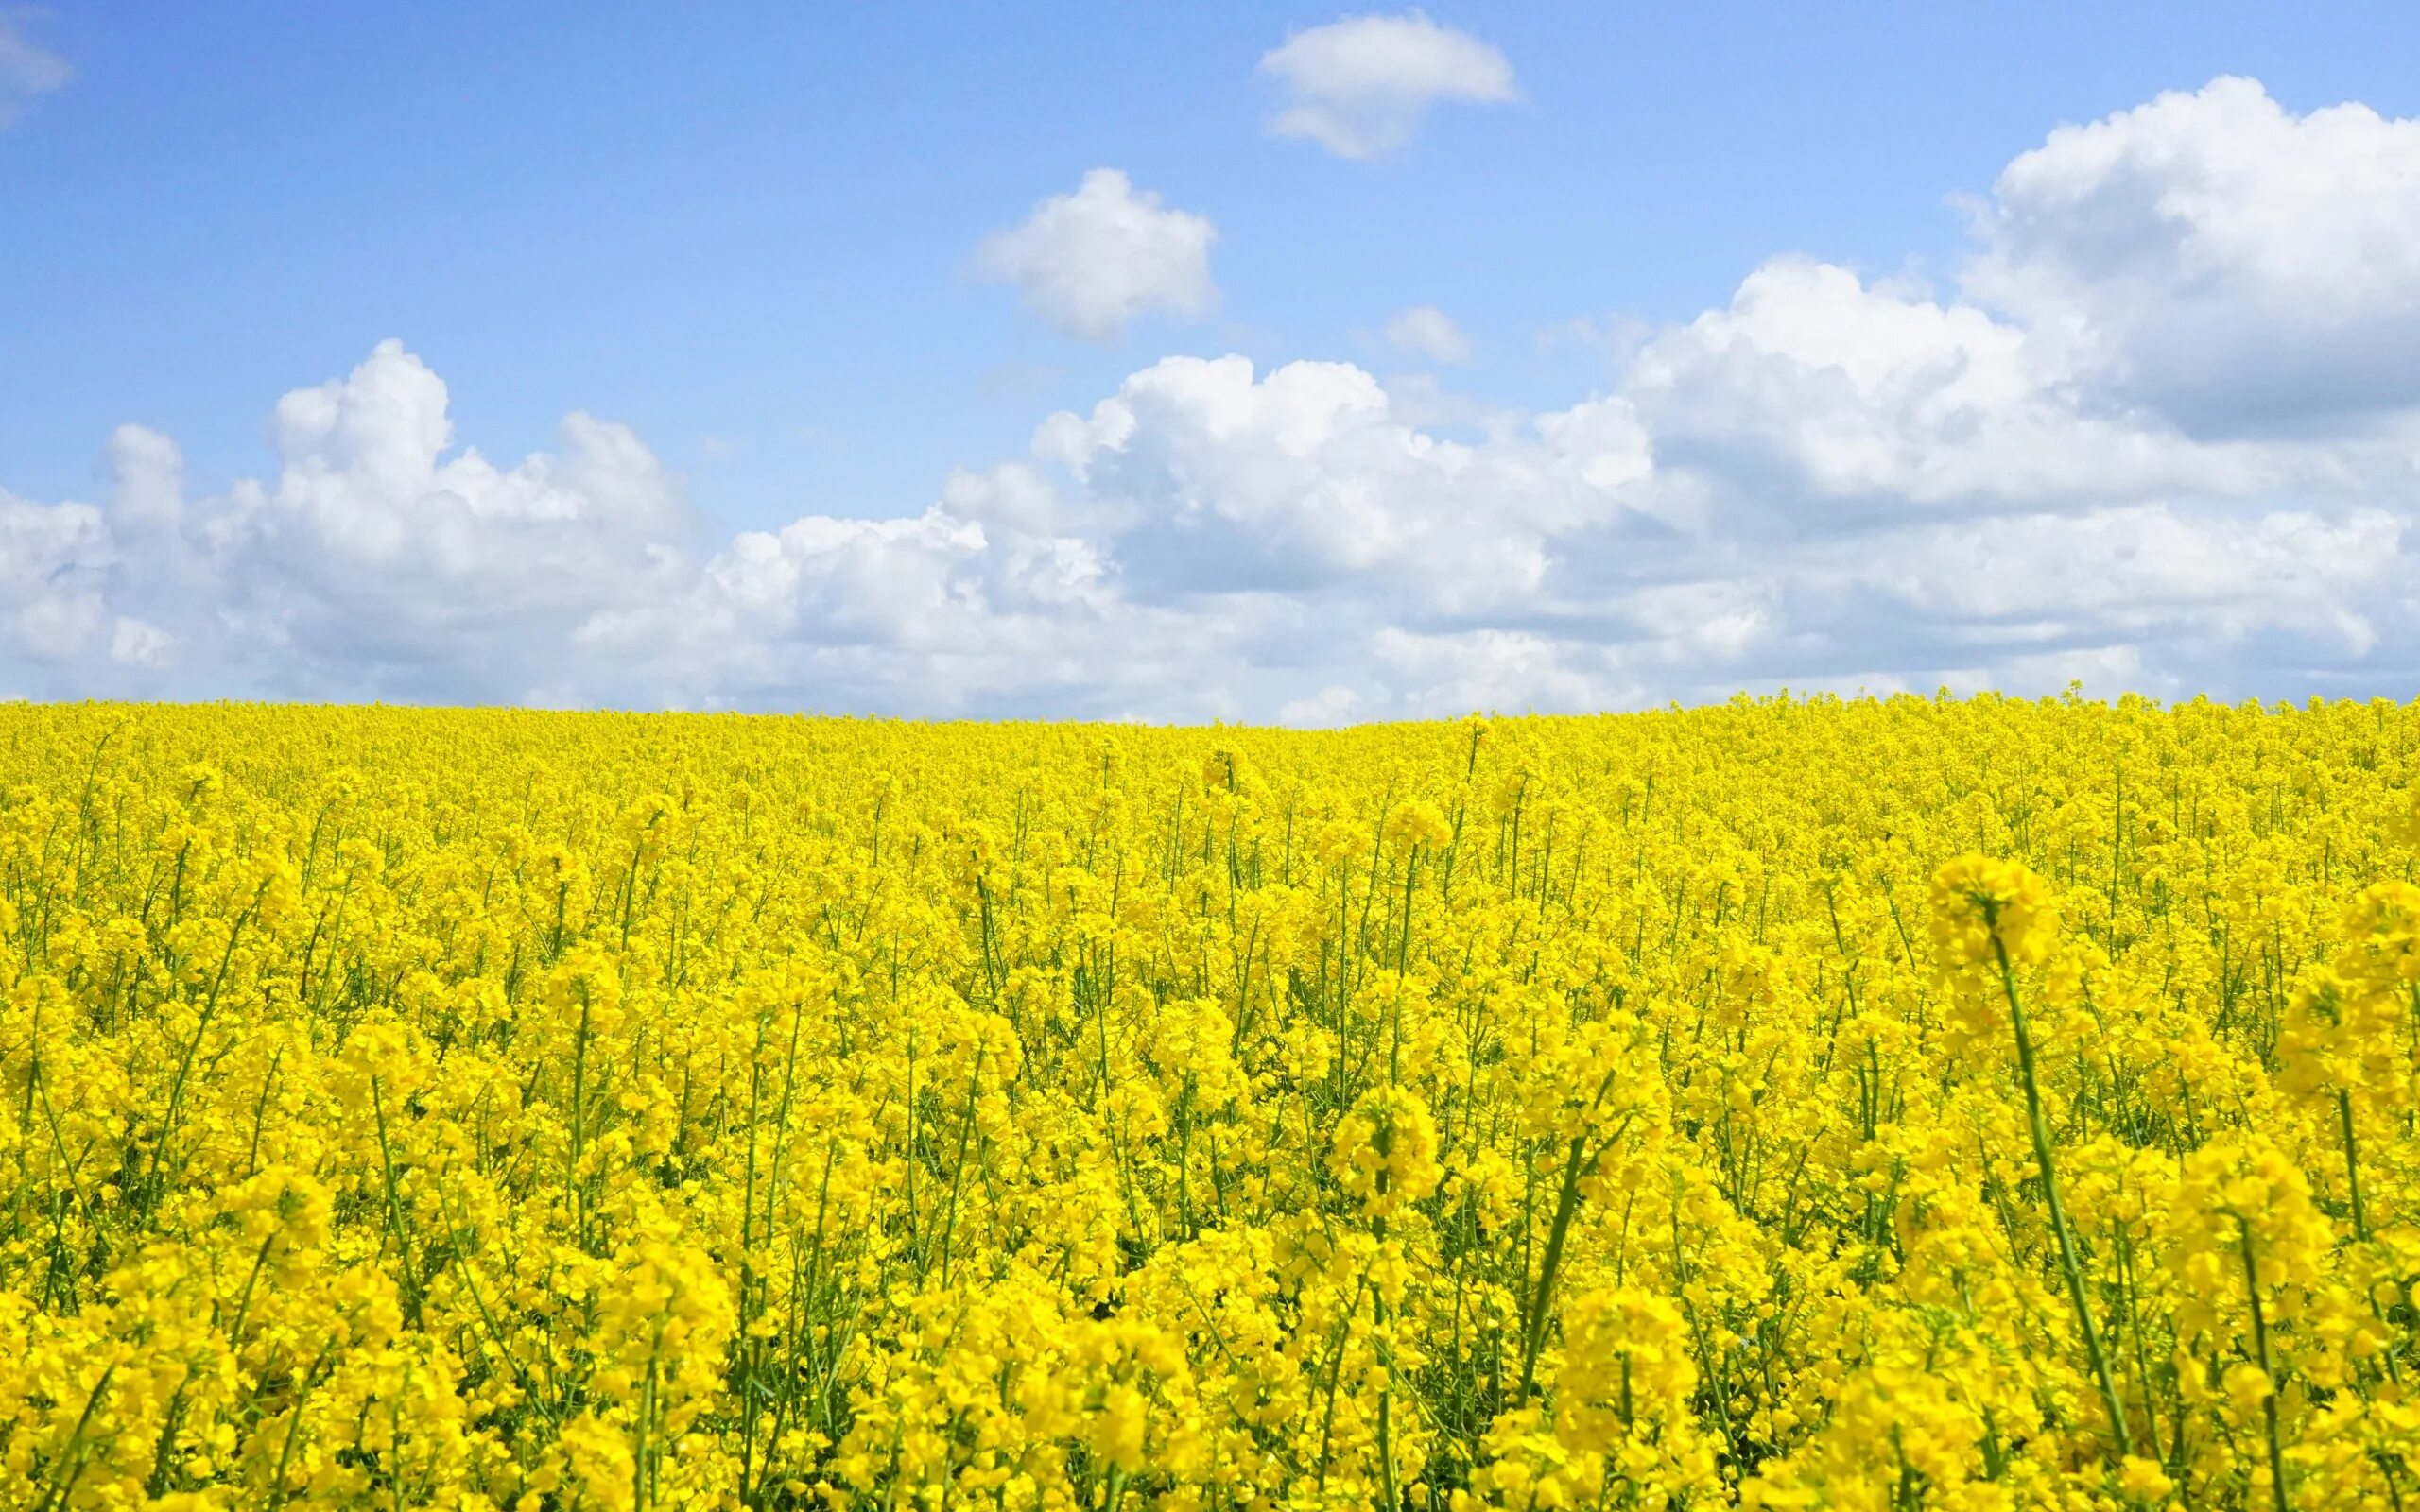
(1418, 823)
(508, 1108)
(1978, 903)
(2143, 1480)
(1385, 1151)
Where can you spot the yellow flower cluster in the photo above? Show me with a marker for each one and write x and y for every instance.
(1979, 1105)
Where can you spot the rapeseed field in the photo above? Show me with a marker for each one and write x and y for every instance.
(1876, 1104)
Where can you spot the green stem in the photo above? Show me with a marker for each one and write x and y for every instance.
(2069, 1262)
(2352, 1166)
(395, 1205)
(2260, 1342)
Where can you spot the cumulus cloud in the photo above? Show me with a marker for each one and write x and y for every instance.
(1329, 707)
(1305, 479)
(1830, 481)
(54, 569)
(1426, 330)
(1360, 86)
(1089, 262)
(27, 71)
(1815, 388)
(381, 547)
(2243, 269)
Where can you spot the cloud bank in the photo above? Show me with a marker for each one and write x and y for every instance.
(2164, 433)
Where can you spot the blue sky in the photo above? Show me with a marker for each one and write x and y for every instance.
(754, 236)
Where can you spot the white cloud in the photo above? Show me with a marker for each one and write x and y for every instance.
(1331, 706)
(2240, 267)
(135, 644)
(54, 566)
(1433, 676)
(1426, 330)
(1216, 479)
(2141, 570)
(28, 72)
(1359, 86)
(1091, 260)
(378, 545)
(1812, 382)
(149, 469)
(1830, 482)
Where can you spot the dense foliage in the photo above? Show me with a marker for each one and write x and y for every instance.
(1876, 1104)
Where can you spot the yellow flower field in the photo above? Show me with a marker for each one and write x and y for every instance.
(1875, 1104)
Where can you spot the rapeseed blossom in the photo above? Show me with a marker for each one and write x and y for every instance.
(1981, 1105)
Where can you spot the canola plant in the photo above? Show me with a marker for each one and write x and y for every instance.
(1790, 1104)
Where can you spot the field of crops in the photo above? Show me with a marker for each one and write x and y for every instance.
(1965, 1105)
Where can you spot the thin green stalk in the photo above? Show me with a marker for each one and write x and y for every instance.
(2352, 1165)
(2261, 1343)
(395, 1205)
(2070, 1263)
